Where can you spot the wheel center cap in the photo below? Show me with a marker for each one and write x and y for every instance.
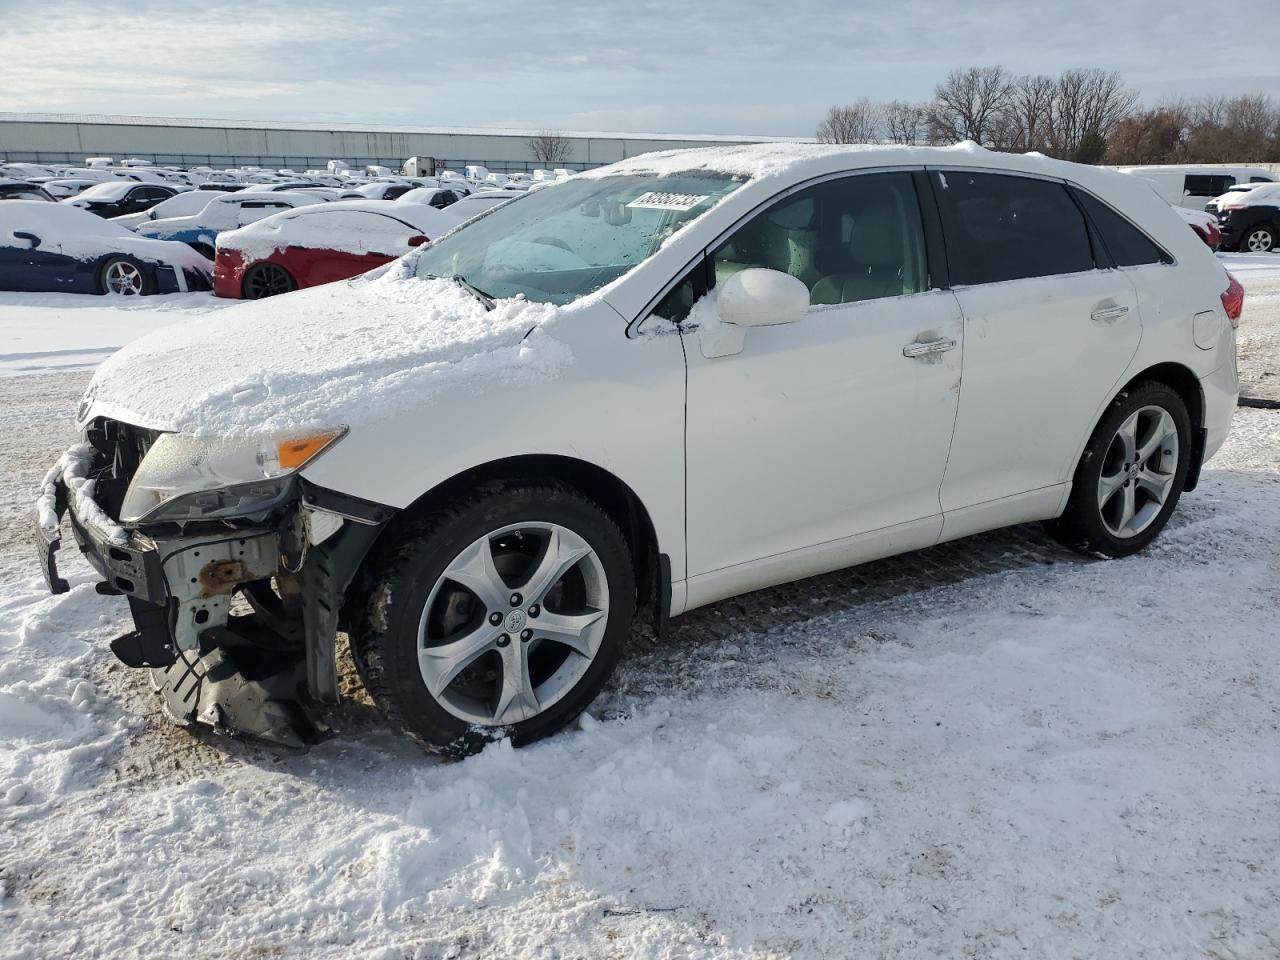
(515, 621)
(1133, 471)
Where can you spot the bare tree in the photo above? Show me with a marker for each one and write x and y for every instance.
(1028, 117)
(549, 146)
(971, 105)
(859, 122)
(1088, 105)
(906, 122)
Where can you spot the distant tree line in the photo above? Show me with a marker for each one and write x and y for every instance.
(1088, 116)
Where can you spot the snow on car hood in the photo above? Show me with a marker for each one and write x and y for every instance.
(343, 354)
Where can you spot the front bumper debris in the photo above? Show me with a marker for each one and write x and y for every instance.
(237, 622)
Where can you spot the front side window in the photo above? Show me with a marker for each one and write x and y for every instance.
(565, 241)
(1004, 227)
(850, 239)
(1128, 246)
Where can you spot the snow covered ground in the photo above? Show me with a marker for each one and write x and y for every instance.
(988, 749)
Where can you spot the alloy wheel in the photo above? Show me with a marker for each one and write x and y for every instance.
(123, 278)
(1138, 472)
(1260, 241)
(267, 280)
(513, 623)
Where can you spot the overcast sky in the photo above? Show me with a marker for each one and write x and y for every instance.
(670, 66)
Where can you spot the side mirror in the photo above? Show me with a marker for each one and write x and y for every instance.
(29, 237)
(418, 241)
(755, 297)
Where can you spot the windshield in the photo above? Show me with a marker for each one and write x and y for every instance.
(559, 243)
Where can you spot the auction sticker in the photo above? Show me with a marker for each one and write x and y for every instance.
(666, 201)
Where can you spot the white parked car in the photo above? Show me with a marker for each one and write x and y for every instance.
(1192, 186)
(185, 204)
(438, 197)
(631, 393)
(478, 203)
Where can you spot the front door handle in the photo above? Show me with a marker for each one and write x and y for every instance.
(930, 348)
(1109, 314)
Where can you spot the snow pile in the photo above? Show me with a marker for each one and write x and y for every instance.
(374, 227)
(73, 469)
(340, 354)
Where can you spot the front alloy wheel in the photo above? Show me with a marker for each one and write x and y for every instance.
(1260, 240)
(123, 278)
(502, 614)
(513, 623)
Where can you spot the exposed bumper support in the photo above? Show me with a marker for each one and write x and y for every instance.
(266, 673)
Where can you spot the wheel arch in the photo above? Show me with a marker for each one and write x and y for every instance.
(604, 488)
(1182, 381)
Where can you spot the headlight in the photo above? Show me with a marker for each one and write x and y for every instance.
(189, 478)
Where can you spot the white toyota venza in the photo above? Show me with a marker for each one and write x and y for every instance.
(640, 390)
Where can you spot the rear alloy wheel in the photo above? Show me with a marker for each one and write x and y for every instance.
(502, 615)
(1259, 240)
(267, 280)
(123, 278)
(1130, 476)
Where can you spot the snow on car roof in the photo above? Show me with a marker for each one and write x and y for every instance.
(765, 160)
(316, 227)
(56, 220)
(108, 190)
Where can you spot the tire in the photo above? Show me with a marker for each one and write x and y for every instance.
(1260, 239)
(267, 280)
(410, 604)
(121, 276)
(1117, 479)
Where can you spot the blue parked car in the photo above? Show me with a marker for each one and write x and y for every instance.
(226, 212)
(55, 247)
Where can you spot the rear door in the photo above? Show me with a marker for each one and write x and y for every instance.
(1048, 334)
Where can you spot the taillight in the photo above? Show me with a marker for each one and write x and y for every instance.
(1233, 206)
(1233, 300)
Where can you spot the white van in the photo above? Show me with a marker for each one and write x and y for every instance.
(1194, 186)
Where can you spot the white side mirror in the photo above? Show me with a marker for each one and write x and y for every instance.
(758, 298)
(752, 298)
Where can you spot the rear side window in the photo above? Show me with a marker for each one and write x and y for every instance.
(1002, 227)
(1128, 246)
(1207, 185)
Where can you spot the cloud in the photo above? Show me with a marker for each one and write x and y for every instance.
(715, 66)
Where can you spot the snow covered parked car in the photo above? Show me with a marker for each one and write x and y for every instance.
(185, 204)
(1204, 225)
(22, 190)
(478, 203)
(55, 247)
(639, 390)
(221, 212)
(114, 198)
(321, 244)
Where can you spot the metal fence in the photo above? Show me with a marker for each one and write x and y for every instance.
(299, 164)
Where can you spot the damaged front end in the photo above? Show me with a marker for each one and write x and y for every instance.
(236, 617)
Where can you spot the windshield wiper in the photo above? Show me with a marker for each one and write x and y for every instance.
(474, 291)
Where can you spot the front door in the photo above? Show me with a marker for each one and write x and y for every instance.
(822, 431)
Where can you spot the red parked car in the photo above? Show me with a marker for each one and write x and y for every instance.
(317, 244)
(1203, 224)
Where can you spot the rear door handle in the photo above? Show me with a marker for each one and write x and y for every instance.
(1109, 314)
(914, 351)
